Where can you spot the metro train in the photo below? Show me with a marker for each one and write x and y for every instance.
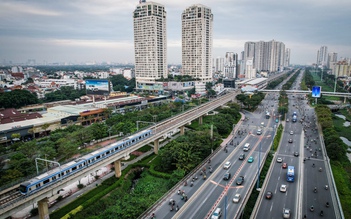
(68, 169)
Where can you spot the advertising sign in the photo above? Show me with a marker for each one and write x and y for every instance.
(316, 91)
(97, 87)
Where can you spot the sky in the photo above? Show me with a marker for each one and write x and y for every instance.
(82, 31)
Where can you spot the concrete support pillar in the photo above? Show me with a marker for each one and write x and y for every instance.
(43, 209)
(118, 168)
(182, 130)
(200, 120)
(156, 145)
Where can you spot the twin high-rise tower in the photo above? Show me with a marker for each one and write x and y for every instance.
(150, 42)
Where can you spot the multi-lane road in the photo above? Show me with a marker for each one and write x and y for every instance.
(300, 194)
(300, 141)
(206, 195)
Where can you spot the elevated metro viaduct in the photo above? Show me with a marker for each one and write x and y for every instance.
(159, 130)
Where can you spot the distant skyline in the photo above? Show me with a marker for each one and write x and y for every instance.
(82, 31)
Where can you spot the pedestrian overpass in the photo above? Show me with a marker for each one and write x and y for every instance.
(335, 94)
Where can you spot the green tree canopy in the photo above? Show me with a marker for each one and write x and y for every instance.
(17, 99)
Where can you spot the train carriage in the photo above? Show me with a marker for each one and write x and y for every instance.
(43, 180)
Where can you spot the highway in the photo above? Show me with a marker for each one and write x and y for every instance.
(206, 195)
(300, 195)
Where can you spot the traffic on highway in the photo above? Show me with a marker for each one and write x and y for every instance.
(296, 186)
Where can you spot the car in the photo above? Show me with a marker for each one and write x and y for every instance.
(236, 198)
(283, 188)
(269, 195)
(259, 132)
(284, 165)
(240, 180)
(276, 120)
(217, 214)
(227, 176)
(227, 165)
(296, 154)
(241, 156)
(250, 160)
(291, 132)
(286, 213)
(290, 140)
(279, 160)
(246, 147)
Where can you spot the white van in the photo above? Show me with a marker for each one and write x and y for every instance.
(246, 147)
(217, 214)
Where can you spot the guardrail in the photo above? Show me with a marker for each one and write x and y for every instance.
(186, 178)
(338, 212)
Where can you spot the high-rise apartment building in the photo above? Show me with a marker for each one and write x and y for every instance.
(197, 28)
(219, 64)
(150, 41)
(230, 65)
(332, 58)
(322, 56)
(287, 57)
(265, 56)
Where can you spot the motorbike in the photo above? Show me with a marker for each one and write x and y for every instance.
(320, 169)
(326, 187)
(321, 214)
(327, 204)
(191, 184)
(315, 190)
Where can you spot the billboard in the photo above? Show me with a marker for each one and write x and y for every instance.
(316, 91)
(97, 87)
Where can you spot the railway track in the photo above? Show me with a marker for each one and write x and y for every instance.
(6, 198)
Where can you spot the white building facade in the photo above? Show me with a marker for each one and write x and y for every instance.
(197, 28)
(150, 41)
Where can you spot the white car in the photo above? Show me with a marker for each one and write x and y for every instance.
(286, 213)
(291, 132)
(227, 165)
(279, 160)
(236, 198)
(283, 188)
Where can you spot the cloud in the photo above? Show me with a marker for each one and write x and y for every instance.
(80, 29)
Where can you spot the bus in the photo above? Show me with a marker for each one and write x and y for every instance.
(290, 175)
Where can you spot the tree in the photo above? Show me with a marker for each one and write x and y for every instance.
(17, 99)
(15, 136)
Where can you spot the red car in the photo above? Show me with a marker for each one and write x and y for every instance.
(284, 165)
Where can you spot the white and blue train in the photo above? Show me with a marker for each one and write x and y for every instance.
(58, 173)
